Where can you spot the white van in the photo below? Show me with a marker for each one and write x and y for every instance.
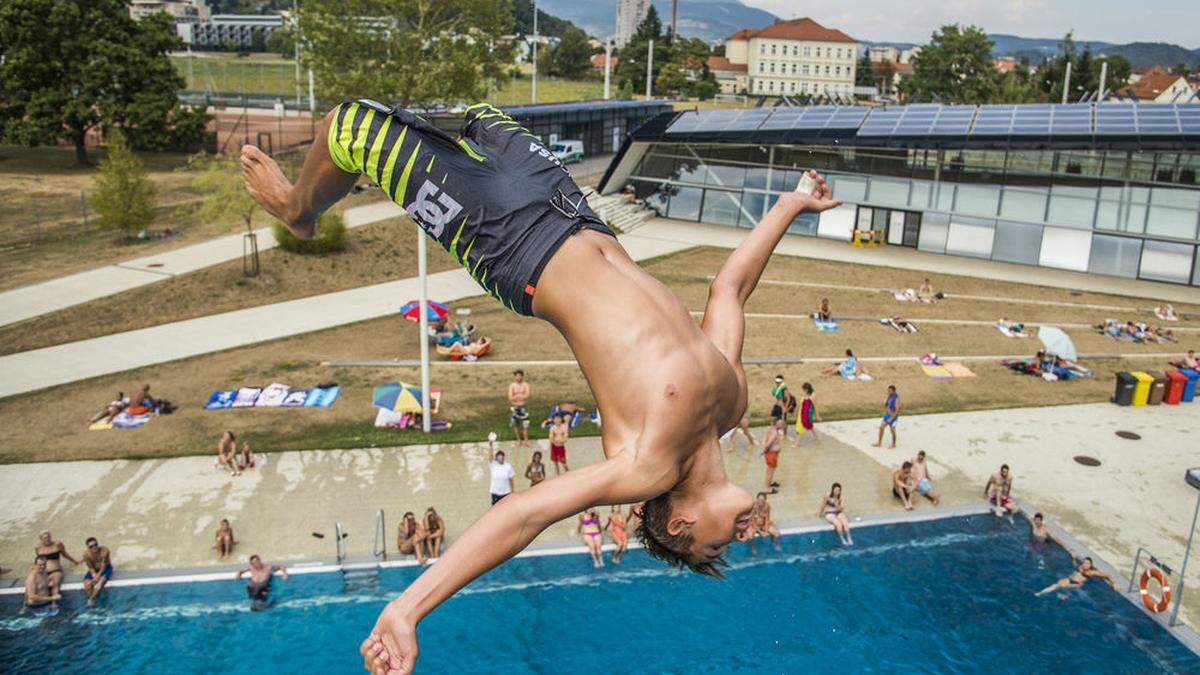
(567, 152)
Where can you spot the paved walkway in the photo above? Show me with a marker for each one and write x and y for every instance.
(161, 514)
(49, 296)
(51, 366)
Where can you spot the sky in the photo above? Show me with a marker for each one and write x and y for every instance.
(1118, 21)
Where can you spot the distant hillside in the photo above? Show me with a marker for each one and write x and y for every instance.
(711, 20)
(1037, 49)
(548, 23)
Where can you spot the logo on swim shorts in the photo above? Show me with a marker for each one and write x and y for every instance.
(428, 214)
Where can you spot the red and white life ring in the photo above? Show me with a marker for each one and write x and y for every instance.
(1163, 602)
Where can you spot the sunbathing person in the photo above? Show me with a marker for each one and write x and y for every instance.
(920, 471)
(998, 492)
(1188, 360)
(1166, 313)
(435, 532)
(823, 313)
(471, 349)
(224, 540)
(1084, 570)
(1014, 329)
(925, 293)
(851, 368)
(904, 484)
(111, 410)
(667, 388)
(227, 453)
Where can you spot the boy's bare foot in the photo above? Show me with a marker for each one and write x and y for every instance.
(266, 183)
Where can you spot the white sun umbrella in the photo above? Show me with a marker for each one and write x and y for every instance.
(1057, 342)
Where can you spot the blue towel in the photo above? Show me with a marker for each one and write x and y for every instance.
(220, 400)
(827, 326)
(322, 397)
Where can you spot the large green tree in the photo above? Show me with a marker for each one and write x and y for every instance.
(631, 63)
(1085, 71)
(68, 66)
(956, 66)
(410, 52)
(572, 56)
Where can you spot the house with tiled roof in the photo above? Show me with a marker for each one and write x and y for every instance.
(1159, 87)
(730, 76)
(790, 58)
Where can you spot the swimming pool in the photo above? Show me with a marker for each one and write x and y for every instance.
(946, 595)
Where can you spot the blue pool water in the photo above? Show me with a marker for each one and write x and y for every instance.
(950, 595)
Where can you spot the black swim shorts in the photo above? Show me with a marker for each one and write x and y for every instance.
(496, 199)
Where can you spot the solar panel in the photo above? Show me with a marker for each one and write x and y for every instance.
(784, 118)
(953, 120)
(1116, 119)
(747, 120)
(993, 120)
(881, 122)
(1073, 119)
(688, 121)
(1157, 119)
(1189, 119)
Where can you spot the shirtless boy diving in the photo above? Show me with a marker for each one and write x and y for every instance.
(501, 203)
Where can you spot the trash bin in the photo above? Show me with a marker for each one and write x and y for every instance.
(1157, 388)
(1125, 386)
(1176, 381)
(1141, 393)
(1189, 389)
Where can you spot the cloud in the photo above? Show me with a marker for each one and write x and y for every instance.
(1108, 20)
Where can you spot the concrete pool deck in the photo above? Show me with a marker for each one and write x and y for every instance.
(161, 514)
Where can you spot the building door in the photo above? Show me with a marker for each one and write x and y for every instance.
(912, 229)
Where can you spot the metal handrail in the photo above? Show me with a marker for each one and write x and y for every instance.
(337, 533)
(1137, 561)
(379, 544)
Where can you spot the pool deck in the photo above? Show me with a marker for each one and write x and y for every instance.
(159, 515)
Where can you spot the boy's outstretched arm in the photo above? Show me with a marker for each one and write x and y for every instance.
(724, 322)
(320, 185)
(501, 533)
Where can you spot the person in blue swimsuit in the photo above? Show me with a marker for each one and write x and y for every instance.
(891, 413)
(99, 569)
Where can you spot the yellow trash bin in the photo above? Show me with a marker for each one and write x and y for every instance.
(1142, 391)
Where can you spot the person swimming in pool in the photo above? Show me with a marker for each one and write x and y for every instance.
(616, 527)
(1040, 535)
(589, 529)
(259, 586)
(99, 569)
(38, 592)
(1084, 570)
(505, 207)
(833, 509)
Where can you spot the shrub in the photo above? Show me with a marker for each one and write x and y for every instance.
(124, 198)
(329, 238)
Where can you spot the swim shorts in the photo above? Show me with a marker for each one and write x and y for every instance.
(776, 411)
(924, 486)
(518, 415)
(890, 419)
(772, 458)
(106, 573)
(257, 591)
(496, 199)
(558, 453)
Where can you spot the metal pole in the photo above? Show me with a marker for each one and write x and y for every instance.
(424, 304)
(1183, 567)
(533, 91)
(312, 106)
(1103, 77)
(1066, 83)
(649, 68)
(607, 68)
(296, 46)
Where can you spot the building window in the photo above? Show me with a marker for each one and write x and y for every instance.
(837, 70)
(804, 87)
(839, 52)
(793, 69)
(762, 49)
(808, 51)
(762, 67)
(804, 69)
(795, 50)
(772, 50)
(792, 87)
(826, 68)
(772, 66)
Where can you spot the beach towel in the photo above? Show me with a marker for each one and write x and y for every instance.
(322, 397)
(100, 426)
(573, 418)
(295, 398)
(272, 396)
(827, 326)
(126, 421)
(957, 369)
(221, 399)
(390, 419)
(246, 397)
(900, 325)
(937, 372)
(1166, 313)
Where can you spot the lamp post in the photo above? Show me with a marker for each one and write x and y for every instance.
(423, 309)
(533, 91)
(1193, 479)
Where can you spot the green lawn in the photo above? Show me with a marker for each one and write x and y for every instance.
(269, 74)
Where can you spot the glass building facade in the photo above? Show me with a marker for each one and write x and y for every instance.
(1122, 211)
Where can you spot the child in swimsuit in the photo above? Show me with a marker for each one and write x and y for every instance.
(535, 471)
(617, 532)
(589, 529)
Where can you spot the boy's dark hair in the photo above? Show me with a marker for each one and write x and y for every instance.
(90, 541)
(1038, 515)
(891, 387)
(906, 465)
(671, 549)
(518, 371)
(808, 388)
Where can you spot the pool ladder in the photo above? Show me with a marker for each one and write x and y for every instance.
(362, 575)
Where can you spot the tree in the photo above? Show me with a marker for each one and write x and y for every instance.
(955, 66)
(572, 57)
(124, 196)
(631, 64)
(862, 74)
(1085, 72)
(281, 42)
(68, 66)
(223, 197)
(415, 53)
(671, 81)
(1018, 86)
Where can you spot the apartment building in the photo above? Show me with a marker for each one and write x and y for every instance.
(794, 57)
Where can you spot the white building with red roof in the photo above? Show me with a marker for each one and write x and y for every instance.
(788, 58)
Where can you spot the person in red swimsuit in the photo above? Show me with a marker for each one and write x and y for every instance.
(559, 431)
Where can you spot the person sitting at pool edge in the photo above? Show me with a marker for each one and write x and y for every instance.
(998, 492)
(833, 509)
(52, 551)
(260, 573)
(903, 485)
(667, 388)
(227, 453)
(760, 519)
(920, 470)
(617, 527)
(435, 532)
(410, 537)
(593, 536)
(1084, 569)
(37, 586)
(99, 569)
(224, 540)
